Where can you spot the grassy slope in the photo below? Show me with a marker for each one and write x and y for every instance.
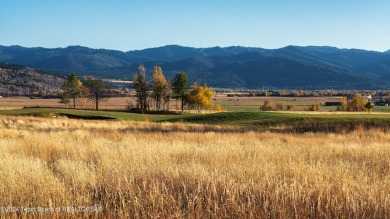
(243, 120)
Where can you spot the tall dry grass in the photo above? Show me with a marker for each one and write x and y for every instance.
(60, 168)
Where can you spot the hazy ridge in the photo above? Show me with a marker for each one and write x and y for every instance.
(291, 67)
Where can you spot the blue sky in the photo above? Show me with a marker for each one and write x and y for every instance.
(129, 25)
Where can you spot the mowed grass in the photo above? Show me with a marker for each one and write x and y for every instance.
(127, 169)
(87, 114)
(382, 109)
(301, 122)
(242, 121)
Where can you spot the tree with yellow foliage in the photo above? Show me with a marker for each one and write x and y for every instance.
(160, 87)
(357, 104)
(200, 97)
(268, 105)
(343, 105)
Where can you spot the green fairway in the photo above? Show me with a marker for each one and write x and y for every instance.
(292, 121)
(88, 114)
(241, 120)
(381, 109)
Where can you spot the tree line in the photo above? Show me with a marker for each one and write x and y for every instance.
(153, 95)
(355, 104)
(157, 95)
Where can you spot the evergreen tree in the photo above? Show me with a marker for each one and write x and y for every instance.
(180, 87)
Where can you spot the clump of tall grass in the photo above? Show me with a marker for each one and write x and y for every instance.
(141, 169)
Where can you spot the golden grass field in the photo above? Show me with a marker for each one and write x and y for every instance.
(62, 168)
(121, 103)
(115, 103)
(20, 102)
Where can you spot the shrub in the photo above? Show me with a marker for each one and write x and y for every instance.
(315, 107)
(280, 106)
(268, 105)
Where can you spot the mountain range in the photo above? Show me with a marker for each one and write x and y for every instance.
(291, 67)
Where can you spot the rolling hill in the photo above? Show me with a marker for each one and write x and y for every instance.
(291, 67)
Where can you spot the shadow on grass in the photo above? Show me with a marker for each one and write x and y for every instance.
(85, 117)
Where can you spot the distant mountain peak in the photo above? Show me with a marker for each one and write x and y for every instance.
(77, 47)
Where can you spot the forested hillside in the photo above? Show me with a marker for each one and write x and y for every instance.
(19, 80)
(291, 67)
